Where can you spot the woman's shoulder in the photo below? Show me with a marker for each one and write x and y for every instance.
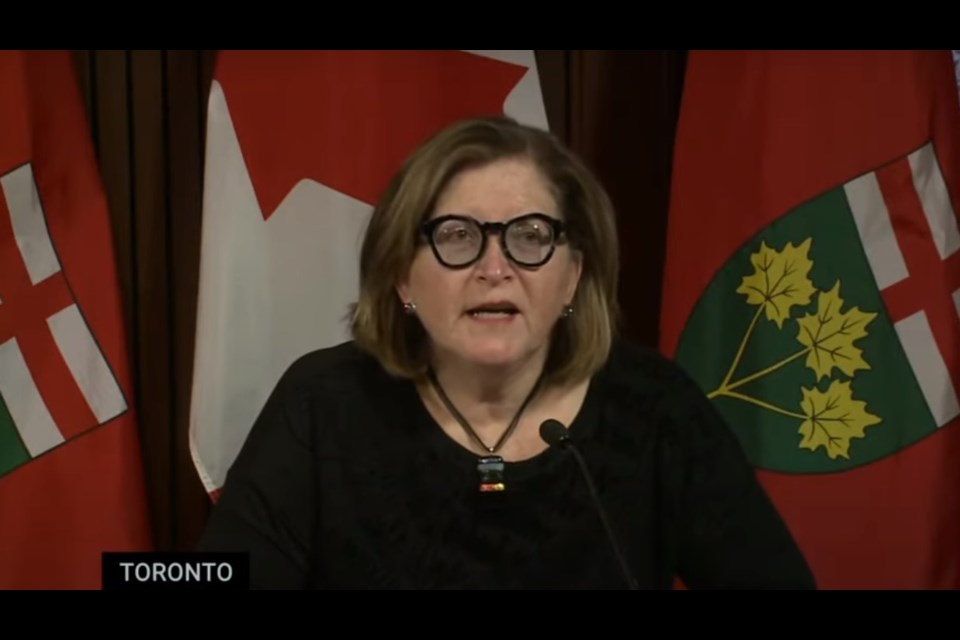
(643, 384)
(326, 360)
(639, 368)
(330, 372)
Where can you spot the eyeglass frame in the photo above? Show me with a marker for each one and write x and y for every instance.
(557, 226)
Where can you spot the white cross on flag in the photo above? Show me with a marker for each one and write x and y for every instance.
(71, 483)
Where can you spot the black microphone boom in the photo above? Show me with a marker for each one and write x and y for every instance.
(555, 434)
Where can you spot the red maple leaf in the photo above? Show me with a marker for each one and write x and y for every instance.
(348, 119)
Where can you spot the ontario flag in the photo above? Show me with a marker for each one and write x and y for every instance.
(299, 147)
(812, 288)
(71, 479)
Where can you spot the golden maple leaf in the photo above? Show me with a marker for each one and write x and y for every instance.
(833, 419)
(780, 280)
(830, 334)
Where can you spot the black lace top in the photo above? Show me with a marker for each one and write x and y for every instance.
(347, 482)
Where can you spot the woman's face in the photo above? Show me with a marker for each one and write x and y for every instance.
(494, 311)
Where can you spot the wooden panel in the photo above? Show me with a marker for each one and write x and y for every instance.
(552, 68)
(113, 147)
(83, 64)
(152, 284)
(577, 120)
(623, 113)
(185, 100)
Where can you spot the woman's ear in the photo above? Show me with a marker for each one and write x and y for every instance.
(403, 290)
(576, 271)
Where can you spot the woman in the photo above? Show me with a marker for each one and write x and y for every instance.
(417, 456)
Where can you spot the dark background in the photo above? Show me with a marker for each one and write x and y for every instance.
(147, 112)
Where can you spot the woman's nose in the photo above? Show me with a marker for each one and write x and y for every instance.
(493, 264)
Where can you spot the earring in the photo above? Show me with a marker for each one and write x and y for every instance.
(567, 311)
(409, 308)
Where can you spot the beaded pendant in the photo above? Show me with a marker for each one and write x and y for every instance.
(491, 474)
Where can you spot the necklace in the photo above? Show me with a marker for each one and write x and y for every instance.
(489, 467)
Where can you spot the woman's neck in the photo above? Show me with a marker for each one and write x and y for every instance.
(488, 397)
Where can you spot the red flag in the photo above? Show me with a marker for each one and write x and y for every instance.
(812, 288)
(299, 146)
(71, 479)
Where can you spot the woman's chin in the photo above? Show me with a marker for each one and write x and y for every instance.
(493, 355)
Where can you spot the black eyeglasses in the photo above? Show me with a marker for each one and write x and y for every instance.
(459, 241)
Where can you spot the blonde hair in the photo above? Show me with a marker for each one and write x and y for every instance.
(581, 342)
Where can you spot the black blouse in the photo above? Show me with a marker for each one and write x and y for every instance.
(346, 481)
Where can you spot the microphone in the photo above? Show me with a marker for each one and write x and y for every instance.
(555, 434)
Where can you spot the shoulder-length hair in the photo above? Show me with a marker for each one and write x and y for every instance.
(581, 342)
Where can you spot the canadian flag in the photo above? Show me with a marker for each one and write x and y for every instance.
(299, 146)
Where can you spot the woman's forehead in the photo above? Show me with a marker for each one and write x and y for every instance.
(497, 192)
